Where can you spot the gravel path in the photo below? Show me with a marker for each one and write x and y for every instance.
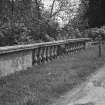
(92, 92)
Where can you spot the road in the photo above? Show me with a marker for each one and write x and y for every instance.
(92, 92)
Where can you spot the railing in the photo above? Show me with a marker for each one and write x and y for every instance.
(96, 42)
(22, 56)
(51, 50)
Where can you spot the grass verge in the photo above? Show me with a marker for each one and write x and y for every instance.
(43, 84)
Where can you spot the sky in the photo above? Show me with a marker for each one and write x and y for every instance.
(48, 3)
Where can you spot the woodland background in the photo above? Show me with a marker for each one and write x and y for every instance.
(29, 21)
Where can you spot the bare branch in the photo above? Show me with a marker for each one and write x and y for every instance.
(52, 7)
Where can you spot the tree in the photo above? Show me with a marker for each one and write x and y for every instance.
(95, 13)
(27, 21)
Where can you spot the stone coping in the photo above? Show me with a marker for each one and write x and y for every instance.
(17, 48)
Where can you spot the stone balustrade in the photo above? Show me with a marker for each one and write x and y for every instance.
(20, 57)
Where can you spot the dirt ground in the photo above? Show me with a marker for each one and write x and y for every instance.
(92, 92)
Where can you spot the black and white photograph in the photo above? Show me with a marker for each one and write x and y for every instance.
(52, 52)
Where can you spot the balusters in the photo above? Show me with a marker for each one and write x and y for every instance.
(65, 52)
(60, 50)
(79, 46)
(55, 51)
(70, 47)
(42, 55)
(67, 49)
(38, 55)
(75, 47)
(63, 49)
(45, 54)
(50, 51)
(35, 56)
(82, 46)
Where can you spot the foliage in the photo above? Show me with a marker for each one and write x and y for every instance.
(94, 32)
(13, 27)
(21, 22)
(27, 21)
(95, 13)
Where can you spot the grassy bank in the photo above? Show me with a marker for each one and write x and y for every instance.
(43, 84)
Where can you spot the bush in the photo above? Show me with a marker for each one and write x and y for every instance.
(95, 32)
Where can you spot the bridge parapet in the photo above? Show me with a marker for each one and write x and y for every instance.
(20, 57)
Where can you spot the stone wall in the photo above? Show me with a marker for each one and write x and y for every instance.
(21, 57)
(15, 61)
